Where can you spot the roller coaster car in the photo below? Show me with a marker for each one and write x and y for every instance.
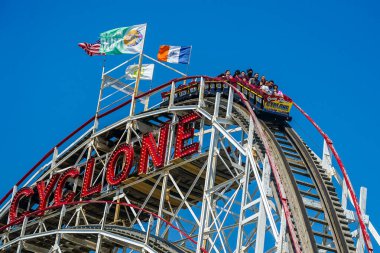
(269, 107)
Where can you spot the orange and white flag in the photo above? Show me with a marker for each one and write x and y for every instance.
(174, 54)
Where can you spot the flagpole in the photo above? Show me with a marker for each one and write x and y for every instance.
(131, 113)
(133, 102)
(188, 65)
(96, 123)
(136, 90)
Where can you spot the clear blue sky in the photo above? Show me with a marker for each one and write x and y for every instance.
(324, 54)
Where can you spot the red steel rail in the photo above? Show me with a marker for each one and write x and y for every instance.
(350, 188)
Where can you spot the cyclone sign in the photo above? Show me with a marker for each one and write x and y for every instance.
(114, 173)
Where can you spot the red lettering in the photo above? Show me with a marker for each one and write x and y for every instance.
(111, 176)
(58, 198)
(117, 168)
(22, 193)
(44, 191)
(149, 148)
(184, 133)
(87, 189)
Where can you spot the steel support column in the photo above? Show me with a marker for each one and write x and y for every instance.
(162, 202)
(362, 203)
(210, 179)
(103, 222)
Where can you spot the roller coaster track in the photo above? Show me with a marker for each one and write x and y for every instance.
(315, 194)
(303, 203)
(312, 198)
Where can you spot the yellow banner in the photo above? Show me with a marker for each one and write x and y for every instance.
(277, 105)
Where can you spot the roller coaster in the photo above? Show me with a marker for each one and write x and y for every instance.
(198, 164)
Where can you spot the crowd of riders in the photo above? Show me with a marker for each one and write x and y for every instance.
(248, 77)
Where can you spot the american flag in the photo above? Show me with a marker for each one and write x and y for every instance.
(91, 49)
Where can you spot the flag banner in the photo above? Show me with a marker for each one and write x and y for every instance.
(124, 40)
(91, 48)
(174, 54)
(146, 72)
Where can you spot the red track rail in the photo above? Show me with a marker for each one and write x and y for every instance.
(350, 188)
(37, 212)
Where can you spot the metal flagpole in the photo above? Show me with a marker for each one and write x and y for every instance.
(131, 113)
(133, 102)
(100, 96)
(136, 89)
(188, 65)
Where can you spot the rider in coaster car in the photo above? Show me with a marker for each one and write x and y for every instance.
(276, 91)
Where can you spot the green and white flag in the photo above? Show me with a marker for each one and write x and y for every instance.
(124, 40)
(146, 72)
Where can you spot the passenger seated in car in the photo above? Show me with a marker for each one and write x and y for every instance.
(270, 85)
(237, 73)
(249, 73)
(263, 80)
(265, 88)
(226, 74)
(254, 80)
(276, 91)
(243, 76)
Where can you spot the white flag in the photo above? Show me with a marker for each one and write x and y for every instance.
(146, 72)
